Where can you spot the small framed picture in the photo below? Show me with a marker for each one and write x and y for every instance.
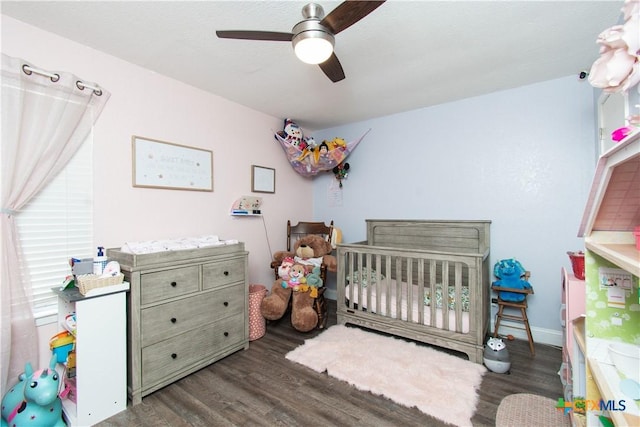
(263, 180)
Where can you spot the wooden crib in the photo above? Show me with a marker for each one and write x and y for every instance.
(419, 279)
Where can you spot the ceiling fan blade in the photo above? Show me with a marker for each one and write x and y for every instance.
(332, 68)
(255, 35)
(348, 13)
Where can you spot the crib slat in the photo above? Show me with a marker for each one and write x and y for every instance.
(399, 281)
(445, 295)
(361, 283)
(370, 283)
(433, 269)
(409, 286)
(421, 291)
(379, 284)
(350, 256)
(458, 296)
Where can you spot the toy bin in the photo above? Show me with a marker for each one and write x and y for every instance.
(61, 344)
(257, 323)
(577, 264)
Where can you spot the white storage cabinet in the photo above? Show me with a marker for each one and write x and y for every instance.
(101, 355)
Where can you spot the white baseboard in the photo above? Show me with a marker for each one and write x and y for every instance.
(540, 335)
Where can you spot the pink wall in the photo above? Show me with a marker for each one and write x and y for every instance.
(148, 104)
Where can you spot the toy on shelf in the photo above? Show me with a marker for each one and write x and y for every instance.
(61, 344)
(577, 264)
(70, 323)
(34, 400)
(308, 158)
(623, 132)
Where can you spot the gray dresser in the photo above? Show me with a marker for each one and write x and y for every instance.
(186, 309)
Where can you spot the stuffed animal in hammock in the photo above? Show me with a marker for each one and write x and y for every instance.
(510, 274)
(292, 133)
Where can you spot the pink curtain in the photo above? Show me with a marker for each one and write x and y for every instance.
(45, 119)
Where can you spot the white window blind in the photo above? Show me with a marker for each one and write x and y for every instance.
(55, 226)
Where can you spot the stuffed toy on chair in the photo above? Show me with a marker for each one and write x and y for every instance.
(510, 274)
(297, 277)
(284, 269)
(311, 251)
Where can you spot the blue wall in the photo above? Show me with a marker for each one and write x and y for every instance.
(522, 158)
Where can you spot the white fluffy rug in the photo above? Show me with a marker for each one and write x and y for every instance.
(438, 384)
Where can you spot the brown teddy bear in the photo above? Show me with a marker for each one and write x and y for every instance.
(311, 251)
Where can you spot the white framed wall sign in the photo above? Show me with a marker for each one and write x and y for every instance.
(161, 164)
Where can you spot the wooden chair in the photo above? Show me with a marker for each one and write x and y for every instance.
(295, 232)
(519, 305)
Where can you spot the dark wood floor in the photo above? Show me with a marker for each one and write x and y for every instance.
(259, 387)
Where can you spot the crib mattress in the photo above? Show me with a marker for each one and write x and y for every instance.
(392, 311)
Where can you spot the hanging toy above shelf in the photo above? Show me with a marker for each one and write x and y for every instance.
(341, 172)
(309, 158)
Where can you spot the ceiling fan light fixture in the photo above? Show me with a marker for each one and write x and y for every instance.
(313, 47)
(313, 38)
(312, 41)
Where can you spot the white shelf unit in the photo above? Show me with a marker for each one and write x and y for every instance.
(101, 355)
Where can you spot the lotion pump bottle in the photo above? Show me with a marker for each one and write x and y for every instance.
(99, 261)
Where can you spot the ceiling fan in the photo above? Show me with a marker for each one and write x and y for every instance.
(313, 37)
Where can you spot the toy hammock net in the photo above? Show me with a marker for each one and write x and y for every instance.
(308, 163)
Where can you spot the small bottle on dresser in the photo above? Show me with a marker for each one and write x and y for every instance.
(99, 261)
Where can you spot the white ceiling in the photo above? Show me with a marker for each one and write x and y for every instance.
(405, 55)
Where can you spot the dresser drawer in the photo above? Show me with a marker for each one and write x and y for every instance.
(167, 320)
(222, 273)
(165, 284)
(179, 353)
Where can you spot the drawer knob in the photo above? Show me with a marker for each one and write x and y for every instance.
(174, 356)
(226, 334)
(174, 284)
(226, 303)
(226, 273)
(174, 320)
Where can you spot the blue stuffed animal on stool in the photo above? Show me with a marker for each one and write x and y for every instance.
(34, 400)
(510, 274)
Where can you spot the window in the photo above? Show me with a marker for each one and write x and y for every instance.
(55, 226)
